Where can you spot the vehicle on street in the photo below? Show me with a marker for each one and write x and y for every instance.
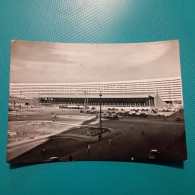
(144, 115)
(53, 159)
(153, 154)
(178, 119)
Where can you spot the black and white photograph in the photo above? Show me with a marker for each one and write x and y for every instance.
(95, 102)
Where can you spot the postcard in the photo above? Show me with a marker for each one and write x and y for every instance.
(95, 102)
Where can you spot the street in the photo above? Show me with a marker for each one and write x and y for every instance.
(130, 139)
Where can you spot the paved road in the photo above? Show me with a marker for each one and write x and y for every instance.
(133, 141)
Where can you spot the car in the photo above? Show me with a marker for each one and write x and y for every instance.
(88, 112)
(178, 119)
(114, 117)
(125, 114)
(82, 111)
(106, 115)
(134, 114)
(153, 154)
(143, 115)
(10, 109)
(154, 111)
(80, 107)
(53, 159)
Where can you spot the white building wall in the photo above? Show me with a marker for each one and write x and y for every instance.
(169, 89)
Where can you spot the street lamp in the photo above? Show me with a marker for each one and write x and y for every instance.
(20, 100)
(169, 100)
(85, 102)
(100, 111)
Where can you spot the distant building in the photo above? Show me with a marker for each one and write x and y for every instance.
(148, 92)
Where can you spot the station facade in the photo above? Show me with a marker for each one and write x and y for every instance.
(148, 92)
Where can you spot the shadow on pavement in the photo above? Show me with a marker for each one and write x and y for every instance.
(175, 164)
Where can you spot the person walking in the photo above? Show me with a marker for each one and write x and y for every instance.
(109, 142)
(99, 137)
(43, 151)
(88, 148)
(70, 158)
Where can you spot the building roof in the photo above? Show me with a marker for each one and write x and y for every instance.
(106, 82)
(104, 95)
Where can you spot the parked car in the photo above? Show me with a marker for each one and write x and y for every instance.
(53, 159)
(178, 119)
(114, 117)
(134, 114)
(144, 115)
(153, 154)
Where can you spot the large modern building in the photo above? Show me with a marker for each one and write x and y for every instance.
(148, 92)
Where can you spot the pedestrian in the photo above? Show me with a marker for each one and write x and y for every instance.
(43, 151)
(109, 142)
(99, 137)
(88, 147)
(70, 158)
(53, 119)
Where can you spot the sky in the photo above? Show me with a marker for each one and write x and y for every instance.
(41, 62)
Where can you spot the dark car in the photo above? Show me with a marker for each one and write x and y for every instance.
(153, 154)
(143, 115)
(178, 119)
(114, 117)
(134, 115)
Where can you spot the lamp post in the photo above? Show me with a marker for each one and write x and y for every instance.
(39, 100)
(20, 100)
(85, 102)
(157, 99)
(169, 100)
(100, 111)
